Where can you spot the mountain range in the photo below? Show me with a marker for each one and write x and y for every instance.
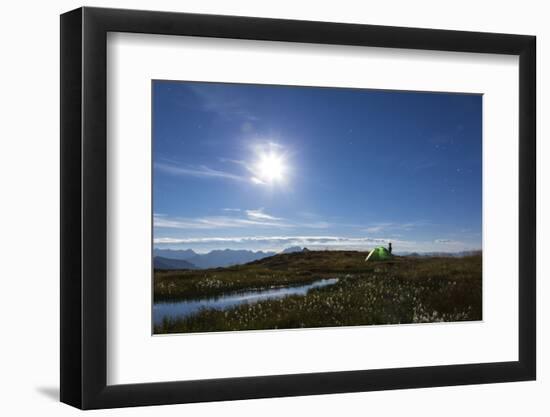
(160, 262)
(171, 259)
(189, 259)
(293, 249)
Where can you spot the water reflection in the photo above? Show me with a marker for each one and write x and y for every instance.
(180, 309)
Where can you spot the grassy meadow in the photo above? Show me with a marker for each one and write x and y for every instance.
(401, 290)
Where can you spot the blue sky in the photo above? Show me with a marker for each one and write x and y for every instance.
(267, 167)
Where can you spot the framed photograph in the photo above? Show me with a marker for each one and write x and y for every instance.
(256, 208)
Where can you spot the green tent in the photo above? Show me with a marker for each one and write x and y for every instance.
(379, 254)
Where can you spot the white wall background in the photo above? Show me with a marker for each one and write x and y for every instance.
(29, 225)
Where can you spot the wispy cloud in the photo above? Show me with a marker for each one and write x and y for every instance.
(285, 240)
(257, 181)
(446, 241)
(217, 100)
(268, 169)
(201, 171)
(260, 215)
(317, 225)
(215, 222)
(235, 218)
(393, 226)
(322, 242)
(248, 167)
(375, 229)
(280, 242)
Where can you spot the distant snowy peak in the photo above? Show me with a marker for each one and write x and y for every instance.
(292, 249)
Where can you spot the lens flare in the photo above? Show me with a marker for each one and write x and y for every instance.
(271, 167)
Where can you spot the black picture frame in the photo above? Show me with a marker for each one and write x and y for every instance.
(84, 207)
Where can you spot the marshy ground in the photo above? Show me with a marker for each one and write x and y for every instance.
(401, 290)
